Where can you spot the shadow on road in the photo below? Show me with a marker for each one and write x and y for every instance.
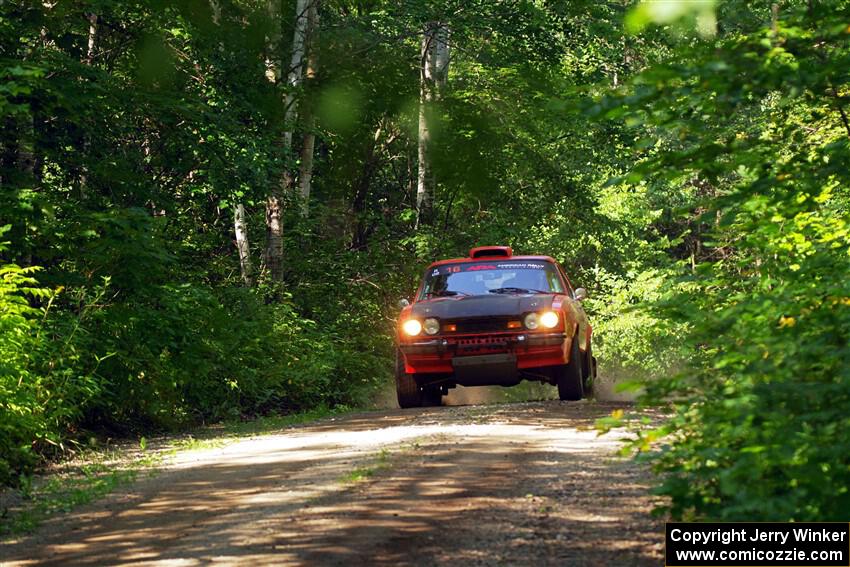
(517, 483)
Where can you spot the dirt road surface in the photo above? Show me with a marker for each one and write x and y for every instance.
(509, 484)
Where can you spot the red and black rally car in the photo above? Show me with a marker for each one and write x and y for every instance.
(493, 319)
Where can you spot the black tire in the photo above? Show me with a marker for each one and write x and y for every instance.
(568, 376)
(588, 372)
(407, 390)
(432, 396)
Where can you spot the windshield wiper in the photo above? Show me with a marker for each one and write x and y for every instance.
(445, 293)
(517, 290)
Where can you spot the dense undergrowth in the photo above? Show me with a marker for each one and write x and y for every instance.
(119, 360)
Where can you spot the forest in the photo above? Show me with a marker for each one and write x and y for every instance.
(209, 210)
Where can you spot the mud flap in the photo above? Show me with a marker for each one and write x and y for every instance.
(486, 370)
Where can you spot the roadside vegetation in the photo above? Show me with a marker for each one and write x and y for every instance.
(85, 478)
(100, 468)
(210, 209)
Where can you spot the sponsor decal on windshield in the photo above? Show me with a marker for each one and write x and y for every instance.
(476, 267)
(522, 266)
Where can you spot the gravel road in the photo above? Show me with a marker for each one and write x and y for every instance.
(507, 484)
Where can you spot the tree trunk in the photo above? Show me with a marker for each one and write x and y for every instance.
(274, 237)
(305, 174)
(274, 229)
(242, 245)
(274, 203)
(295, 76)
(92, 38)
(434, 65)
(424, 190)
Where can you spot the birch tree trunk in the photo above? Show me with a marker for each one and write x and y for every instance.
(434, 66)
(305, 174)
(294, 76)
(92, 40)
(241, 230)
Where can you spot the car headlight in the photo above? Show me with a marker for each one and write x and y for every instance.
(531, 322)
(549, 319)
(431, 326)
(412, 327)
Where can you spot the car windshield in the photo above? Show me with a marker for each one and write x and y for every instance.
(486, 278)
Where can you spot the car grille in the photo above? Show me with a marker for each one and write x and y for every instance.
(482, 325)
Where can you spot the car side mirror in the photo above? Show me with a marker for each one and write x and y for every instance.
(403, 302)
(581, 294)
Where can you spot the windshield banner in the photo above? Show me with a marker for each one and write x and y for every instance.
(479, 267)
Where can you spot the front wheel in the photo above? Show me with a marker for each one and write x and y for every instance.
(568, 376)
(588, 371)
(407, 390)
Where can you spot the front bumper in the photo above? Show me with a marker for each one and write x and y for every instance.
(529, 350)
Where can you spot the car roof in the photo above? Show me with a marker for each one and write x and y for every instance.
(492, 259)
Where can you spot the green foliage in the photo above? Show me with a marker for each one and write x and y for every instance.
(21, 411)
(117, 177)
(139, 352)
(629, 335)
(754, 124)
(762, 437)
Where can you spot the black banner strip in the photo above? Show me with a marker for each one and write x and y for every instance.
(757, 544)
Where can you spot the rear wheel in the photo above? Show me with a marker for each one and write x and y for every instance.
(407, 390)
(568, 376)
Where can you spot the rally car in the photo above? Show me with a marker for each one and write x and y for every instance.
(493, 319)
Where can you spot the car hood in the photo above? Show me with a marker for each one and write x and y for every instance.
(462, 307)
